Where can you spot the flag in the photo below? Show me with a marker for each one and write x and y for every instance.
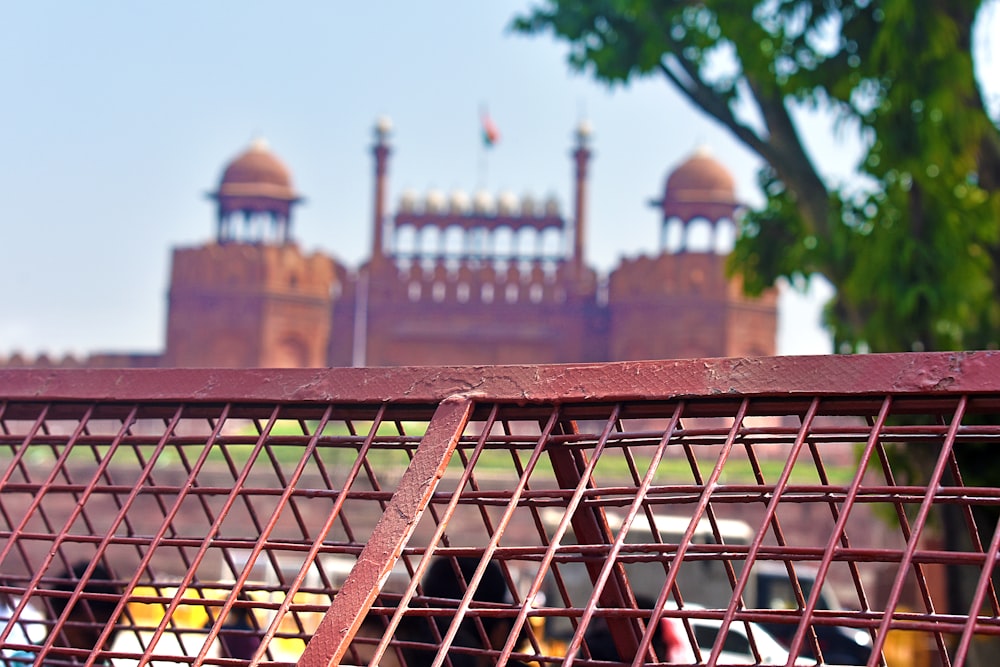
(491, 134)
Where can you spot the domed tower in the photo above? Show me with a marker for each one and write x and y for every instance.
(680, 303)
(257, 186)
(252, 298)
(699, 206)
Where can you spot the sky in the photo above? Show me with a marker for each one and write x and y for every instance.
(118, 117)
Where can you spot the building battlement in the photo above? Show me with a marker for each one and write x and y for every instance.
(456, 279)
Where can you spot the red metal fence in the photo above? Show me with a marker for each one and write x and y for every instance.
(635, 512)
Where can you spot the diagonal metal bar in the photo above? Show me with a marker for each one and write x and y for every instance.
(933, 485)
(768, 520)
(258, 547)
(347, 611)
(441, 521)
(166, 527)
(637, 504)
(590, 525)
(907, 533)
(839, 531)
(982, 587)
(491, 546)
(704, 505)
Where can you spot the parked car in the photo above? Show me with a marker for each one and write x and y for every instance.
(706, 582)
(840, 645)
(736, 646)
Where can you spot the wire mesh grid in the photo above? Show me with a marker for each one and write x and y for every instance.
(517, 523)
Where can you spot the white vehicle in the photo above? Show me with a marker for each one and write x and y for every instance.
(705, 581)
(736, 646)
(29, 628)
(702, 581)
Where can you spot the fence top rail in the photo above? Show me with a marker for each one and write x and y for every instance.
(936, 373)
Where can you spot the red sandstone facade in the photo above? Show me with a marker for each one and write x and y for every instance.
(248, 305)
(456, 280)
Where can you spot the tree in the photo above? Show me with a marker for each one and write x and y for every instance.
(914, 250)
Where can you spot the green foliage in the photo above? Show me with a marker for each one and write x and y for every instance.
(914, 251)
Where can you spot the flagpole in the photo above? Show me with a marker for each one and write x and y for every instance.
(483, 166)
(490, 135)
(483, 147)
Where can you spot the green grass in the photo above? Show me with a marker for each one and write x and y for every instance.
(613, 466)
(343, 450)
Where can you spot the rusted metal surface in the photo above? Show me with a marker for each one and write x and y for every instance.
(393, 530)
(615, 507)
(928, 373)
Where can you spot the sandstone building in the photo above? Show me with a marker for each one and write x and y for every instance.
(455, 279)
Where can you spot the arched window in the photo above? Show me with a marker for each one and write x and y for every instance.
(291, 352)
(504, 242)
(405, 240)
(527, 243)
(430, 241)
(672, 240)
(551, 243)
(453, 241)
(725, 236)
(700, 236)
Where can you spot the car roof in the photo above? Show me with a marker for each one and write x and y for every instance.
(731, 530)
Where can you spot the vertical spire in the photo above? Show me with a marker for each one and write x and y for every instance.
(381, 152)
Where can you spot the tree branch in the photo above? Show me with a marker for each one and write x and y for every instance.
(788, 157)
(708, 100)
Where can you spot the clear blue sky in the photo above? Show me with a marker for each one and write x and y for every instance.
(118, 117)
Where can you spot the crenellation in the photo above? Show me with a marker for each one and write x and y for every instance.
(526, 281)
(453, 279)
(46, 360)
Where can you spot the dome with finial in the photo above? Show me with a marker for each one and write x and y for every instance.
(483, 202)
(257, 172)
(551, 206)
(507, 203)
(529, 207)
(408, 201)
(458, 202)
(700, 179)
(256, 185)
(435, 202)
(383, 127)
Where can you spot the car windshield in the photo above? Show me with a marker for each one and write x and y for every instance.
(776, 592)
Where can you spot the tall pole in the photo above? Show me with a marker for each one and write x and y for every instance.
(581, 156)
(381, 152)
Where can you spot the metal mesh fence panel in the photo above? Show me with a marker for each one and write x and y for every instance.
(709, 512)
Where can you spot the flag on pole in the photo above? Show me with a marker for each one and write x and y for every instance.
(491, 135)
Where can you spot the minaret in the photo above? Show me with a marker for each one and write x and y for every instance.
(381, 152)
(581, 156)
